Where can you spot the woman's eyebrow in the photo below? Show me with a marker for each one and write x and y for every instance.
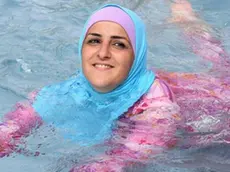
(95, 34)
(119, 37)
(113, 37)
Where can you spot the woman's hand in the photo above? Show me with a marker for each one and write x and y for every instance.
(6, 141)
(181, 12)
(17, 124)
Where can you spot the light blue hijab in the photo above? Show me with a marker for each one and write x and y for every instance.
(85, 115)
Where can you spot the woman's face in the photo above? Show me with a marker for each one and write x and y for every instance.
(107, 56)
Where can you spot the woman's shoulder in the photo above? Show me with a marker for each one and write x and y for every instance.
(159, 91)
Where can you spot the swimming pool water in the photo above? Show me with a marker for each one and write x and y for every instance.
(39, 46)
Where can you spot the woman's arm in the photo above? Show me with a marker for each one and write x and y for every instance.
(145, 131)
(16, 124)
(199, 34)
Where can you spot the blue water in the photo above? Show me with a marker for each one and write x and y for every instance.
(39, 46)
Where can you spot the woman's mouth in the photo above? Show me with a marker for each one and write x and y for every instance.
(102, 66)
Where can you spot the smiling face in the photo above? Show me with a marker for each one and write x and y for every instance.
(107, 56)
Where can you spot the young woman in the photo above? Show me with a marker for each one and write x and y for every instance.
(116, 101)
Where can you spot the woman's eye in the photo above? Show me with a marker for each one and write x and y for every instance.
(120, 45)
(93, 41)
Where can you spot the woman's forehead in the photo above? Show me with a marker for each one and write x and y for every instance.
(108, 28)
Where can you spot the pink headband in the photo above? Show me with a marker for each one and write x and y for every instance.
(116, 15)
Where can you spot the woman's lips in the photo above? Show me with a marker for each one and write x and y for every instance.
(101, 66)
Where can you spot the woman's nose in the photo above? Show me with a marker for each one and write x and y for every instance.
(104, 51)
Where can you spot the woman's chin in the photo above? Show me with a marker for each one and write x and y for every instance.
(102, 88)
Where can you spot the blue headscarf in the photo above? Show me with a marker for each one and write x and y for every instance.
(85, 115)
